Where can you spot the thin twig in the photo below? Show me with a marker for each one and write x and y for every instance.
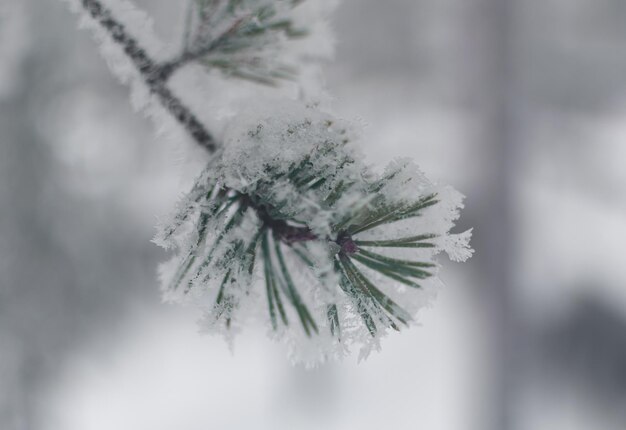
(154, 75)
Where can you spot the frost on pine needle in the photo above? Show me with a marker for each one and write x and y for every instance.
(289, 227)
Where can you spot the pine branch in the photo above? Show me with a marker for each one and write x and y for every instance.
(298, 198)
(155, 75)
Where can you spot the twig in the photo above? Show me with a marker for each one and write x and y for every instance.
(155, 75)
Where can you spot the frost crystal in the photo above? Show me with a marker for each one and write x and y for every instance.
(289, 227)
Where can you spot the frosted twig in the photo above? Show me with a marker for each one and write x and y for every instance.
(155, 75)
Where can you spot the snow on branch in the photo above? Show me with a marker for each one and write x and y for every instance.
(287, 226)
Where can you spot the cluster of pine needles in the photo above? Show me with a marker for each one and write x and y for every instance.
(278, 235)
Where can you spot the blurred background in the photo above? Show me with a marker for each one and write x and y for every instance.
(520, 104)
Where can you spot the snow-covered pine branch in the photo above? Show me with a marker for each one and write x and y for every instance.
(287, 225)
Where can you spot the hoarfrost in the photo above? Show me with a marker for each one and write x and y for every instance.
(284, 169)
(457, 246)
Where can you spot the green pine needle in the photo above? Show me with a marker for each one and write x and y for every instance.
(292, 293)
(398, 242)
(376, 295)
(273, 295)
(356, 297)
(411, 268)
(395, 212)
(385, 271)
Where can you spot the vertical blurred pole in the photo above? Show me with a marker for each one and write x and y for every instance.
(491, 41)
(502, 131)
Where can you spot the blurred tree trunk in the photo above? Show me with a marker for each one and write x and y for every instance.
(502, 120)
